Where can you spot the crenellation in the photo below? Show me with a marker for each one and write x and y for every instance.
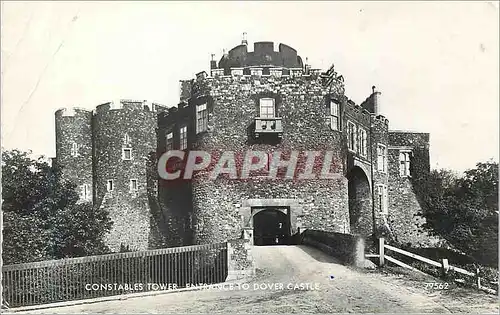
(222, 110)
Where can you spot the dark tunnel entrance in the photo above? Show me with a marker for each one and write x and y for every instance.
(271, 226)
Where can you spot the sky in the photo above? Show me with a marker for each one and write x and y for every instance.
(436, 63)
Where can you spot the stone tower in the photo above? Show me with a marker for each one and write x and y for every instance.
(74, 148)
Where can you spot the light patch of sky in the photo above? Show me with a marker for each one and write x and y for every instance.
(436, 64)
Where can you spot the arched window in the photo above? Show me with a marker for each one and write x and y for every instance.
(126, 139)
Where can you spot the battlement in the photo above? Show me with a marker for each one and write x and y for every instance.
(261, 71)
(263, 54)
(128, 104)
(357, 112)
(381, 119)
(408, 138)
(372, 102)
(72, 111)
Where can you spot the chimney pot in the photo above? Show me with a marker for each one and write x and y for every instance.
(244, 39)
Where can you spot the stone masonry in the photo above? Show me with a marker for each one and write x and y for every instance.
(368, 194)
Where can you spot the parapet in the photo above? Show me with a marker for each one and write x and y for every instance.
(262, 55)
(408, 138)
(72, 112)
(380, 119)
(130, 105)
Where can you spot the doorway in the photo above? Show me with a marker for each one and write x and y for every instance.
(271, 226)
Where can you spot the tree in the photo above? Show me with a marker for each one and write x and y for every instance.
(464, 210)
(42, 216)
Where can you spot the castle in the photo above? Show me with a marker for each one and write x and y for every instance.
(263, 100)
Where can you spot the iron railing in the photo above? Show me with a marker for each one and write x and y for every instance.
(113, 274)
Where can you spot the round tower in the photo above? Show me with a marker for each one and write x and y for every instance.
(125, 141)
(74, 148)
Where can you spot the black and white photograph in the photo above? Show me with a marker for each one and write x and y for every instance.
(201, 157)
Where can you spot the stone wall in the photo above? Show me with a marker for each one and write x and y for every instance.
(129, 210)
(403, 202)
(240, 260)
(234, 103)
(223, 208)
(74, 125)
(348, 248)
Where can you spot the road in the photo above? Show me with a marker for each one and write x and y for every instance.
(299, 279)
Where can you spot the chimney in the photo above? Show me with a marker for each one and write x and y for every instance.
(376, 101)
(213, 63)
(244, 39)
(307, 67)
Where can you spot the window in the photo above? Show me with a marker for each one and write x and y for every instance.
(74, 149)
(236, 71)
(126, 139)
(362, 141)
(133, 185)
(183, 136)
(404, 163)
(335, 115)
(256, 71)
(170, 141)
(127, 154)
(276, 72)
(382, 199)
(381, 158)
(201, 118)
(85, 192)
(351, 136)
(267, 109)
(110, 186)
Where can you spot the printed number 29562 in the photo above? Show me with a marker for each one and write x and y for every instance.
(437, 285)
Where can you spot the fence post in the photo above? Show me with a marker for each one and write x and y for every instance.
(478, 279)
(381, 251)
(444, 267)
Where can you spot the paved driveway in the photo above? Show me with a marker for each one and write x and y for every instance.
(301, 279)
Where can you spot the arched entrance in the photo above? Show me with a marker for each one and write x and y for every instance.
(271, 226)
(360, 202)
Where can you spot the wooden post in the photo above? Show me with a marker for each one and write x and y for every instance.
(444, 267)
(381, 251)
(478, 279)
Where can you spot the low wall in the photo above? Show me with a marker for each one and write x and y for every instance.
(239, 259)
(348, 248)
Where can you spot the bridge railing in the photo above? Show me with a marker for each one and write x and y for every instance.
(113, 274)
